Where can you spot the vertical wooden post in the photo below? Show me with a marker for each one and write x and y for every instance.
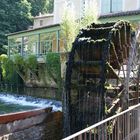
(22, 45)
(57, 40)
(105, 53)
(8, 47)
(38, 47)
(138, 122)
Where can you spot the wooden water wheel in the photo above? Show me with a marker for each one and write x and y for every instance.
(102, 75)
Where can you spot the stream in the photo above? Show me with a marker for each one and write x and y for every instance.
(14, 103)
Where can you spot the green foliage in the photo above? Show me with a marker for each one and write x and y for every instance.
(7, 67)
(23, 15)
(70, 26)
(3, 57)
(90, 15)
(22, 64)
(41, 6)
(54, 67)
(3, 49)
(49, 6)
(31, 62)
(14, 16)
(19, 63)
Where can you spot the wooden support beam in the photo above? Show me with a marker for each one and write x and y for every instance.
(113, 72)
(88, 63)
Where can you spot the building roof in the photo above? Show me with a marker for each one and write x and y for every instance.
(127, 13)
(25, 31)
(43, 16)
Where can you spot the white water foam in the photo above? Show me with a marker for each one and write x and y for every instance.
(30, 101)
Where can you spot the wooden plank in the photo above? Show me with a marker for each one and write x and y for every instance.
(22, 115)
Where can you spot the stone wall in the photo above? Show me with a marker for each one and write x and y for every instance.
(31, 125)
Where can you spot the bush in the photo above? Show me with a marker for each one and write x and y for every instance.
(54, 67)
(6, 66)
(31, 62)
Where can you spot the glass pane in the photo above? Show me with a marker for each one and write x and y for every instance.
(30, 45)
(62, 42)
(15, 46)
(47, 43)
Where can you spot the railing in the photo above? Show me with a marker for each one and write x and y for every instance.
(123, 126)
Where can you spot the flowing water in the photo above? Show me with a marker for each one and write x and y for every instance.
(14, 103)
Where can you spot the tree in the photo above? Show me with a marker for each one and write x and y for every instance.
(14, 16)
(49, 6)
(41, 6)
(70, 26)
(19, 15)
(90, 15)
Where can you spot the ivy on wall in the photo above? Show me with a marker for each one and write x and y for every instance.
(17, 63)
(53, 66)
(49, 73)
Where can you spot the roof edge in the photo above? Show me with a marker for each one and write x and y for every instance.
(43, 16)
(48, 26)
(118, 14)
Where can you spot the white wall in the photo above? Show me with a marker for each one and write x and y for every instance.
(129, 5)
(59, 7)
(76, 5)
(46, 21)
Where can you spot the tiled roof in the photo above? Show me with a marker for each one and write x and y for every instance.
(126, 13)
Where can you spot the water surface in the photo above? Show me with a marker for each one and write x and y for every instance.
(14, 103)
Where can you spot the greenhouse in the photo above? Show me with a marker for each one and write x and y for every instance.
(36, 41)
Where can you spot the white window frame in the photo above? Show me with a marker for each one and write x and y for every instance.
(138, 4)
